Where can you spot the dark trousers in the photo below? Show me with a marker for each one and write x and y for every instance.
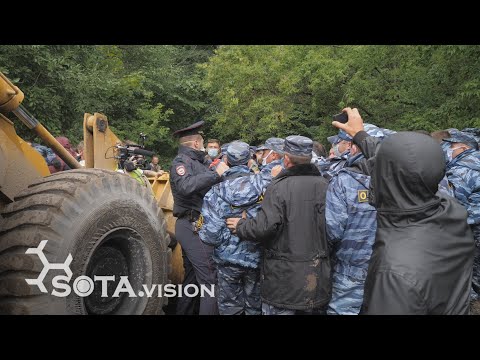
(199, 256)
(188, 305)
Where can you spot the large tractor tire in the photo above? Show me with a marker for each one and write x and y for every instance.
(110, 225)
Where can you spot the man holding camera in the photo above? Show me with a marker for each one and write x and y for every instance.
(422, 257)
(190, 180)
(133, 167)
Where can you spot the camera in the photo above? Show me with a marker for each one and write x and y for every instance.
(131, 157)
(341, 118)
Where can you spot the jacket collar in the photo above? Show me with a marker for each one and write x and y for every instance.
(460, 158)
(192, 153)
(239, 169)
(299, 170)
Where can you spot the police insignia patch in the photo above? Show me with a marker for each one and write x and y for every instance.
(199, 222)
(362, 195)
(180, 170)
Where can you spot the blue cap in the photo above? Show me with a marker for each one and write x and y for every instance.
(296, 145)
(342, 135)
(224, 147)
(377, 132)
(238, 153)
(464, 138)
(272, 143)
(475, 132)
(333, 139)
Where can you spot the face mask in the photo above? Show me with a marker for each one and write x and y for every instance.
(336, 151)
(212, 153)
(264, 160)
(450, 151)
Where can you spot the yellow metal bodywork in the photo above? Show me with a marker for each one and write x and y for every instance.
(10, 96)
(20, 164)
(163, 194)
(99, 142)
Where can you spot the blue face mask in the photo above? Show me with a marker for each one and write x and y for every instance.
(212, 153)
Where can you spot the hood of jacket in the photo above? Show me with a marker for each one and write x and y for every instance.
(408, 169)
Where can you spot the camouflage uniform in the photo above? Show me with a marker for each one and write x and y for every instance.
(46, 152)
(330, 167)
(444, 187)
(238, 290)
(475, 132)
(463, 174)
(237, 261)
(351, 226)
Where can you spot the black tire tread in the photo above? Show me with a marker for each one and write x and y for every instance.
(35, 209)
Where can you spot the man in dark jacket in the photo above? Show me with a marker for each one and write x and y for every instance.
(191, 179)
(423, 252)
(291, 225)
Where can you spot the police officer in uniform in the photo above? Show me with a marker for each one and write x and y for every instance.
(190, 180)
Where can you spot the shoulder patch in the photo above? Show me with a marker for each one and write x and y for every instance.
(180, 170)
(362, 196)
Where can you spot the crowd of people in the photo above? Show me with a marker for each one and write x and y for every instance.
(380, 223)
(386, 223)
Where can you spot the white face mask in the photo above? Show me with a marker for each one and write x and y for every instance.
(264, 160)
(450, 153)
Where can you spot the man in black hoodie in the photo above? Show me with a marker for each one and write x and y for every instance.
(423, 252)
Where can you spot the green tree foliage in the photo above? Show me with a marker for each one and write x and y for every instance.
(244, 92)
(150, 89)
(263, 91)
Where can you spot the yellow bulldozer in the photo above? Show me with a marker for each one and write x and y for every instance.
(107, 221)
